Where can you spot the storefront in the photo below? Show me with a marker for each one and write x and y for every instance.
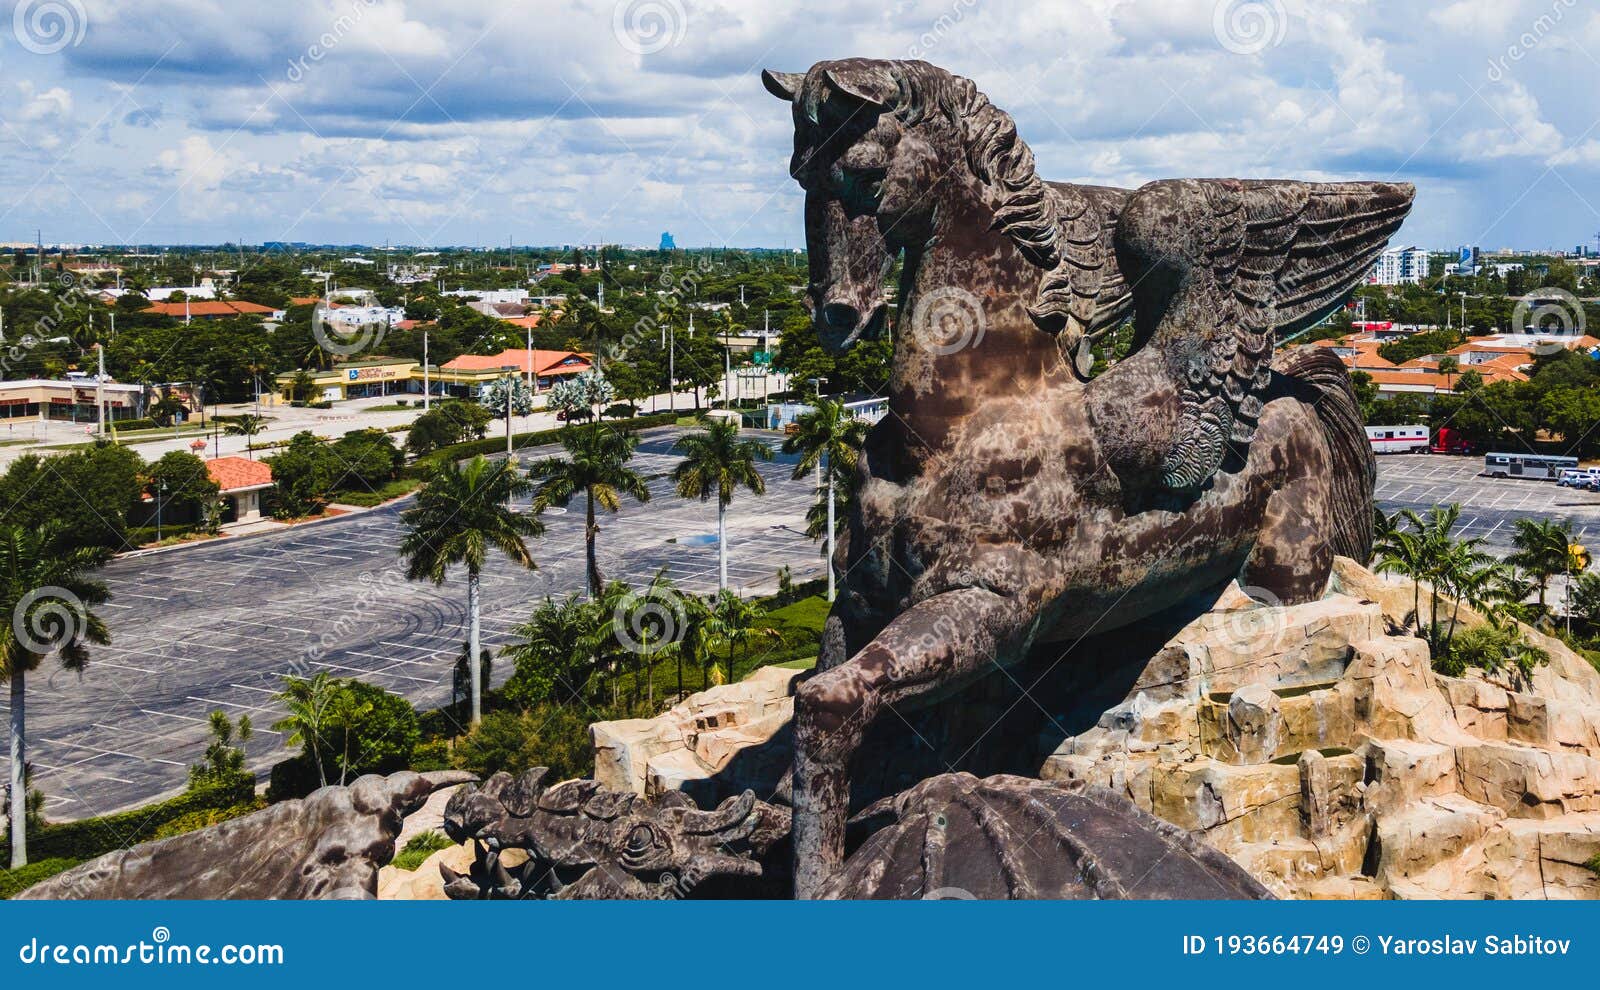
(69, 401)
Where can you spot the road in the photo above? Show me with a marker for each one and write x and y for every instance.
(217, 625)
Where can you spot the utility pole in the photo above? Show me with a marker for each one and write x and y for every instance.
(427, 386)
(672, 370)
(99, 391)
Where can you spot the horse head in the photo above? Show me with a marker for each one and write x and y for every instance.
(865, 170)
(885, 151)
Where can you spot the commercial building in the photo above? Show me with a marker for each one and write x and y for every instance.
(1399, 266)
(70, 401)
(460, 378)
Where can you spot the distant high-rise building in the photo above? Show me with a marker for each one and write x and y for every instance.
(1400, 265)
(667, 243)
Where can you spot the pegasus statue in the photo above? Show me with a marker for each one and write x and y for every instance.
(1011, 498)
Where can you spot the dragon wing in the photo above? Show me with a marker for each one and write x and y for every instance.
(1222, 267)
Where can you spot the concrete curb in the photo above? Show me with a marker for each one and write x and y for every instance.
(351, 512)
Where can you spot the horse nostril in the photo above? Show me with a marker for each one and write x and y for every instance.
(840, 316)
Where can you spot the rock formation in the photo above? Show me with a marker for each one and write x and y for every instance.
(1313, 743)
(326, 846)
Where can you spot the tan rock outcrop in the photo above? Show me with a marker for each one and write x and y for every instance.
(1341, 765)
(710, 744)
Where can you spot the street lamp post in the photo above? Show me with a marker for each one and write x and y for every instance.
(160, 491)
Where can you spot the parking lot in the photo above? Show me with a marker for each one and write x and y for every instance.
(217, 626)
(1489, 506)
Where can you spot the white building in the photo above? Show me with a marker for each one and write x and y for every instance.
(491, 295)
(364, 316)
(1399, 266)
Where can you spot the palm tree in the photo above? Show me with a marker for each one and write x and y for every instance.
(1420, 548)
(248, 426)
(460, 515)
(1541, 551)
(597, 465)
(735, 621)
(45, 607)
(830, 437)
(716, 462)
(552, 652)
(308, 703)
(699, 630)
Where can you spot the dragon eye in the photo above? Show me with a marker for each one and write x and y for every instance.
(641, 837)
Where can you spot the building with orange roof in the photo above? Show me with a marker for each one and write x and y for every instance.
(459, 378)
(242, 481)
(213, 309)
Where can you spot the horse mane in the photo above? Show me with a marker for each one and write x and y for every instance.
(1026, 210)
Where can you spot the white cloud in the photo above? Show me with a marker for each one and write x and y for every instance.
(459, 121)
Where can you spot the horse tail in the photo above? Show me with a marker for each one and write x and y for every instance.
(1352, 467)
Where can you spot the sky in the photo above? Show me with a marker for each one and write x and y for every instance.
(472, 122)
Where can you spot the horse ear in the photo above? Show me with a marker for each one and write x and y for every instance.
(871, 89)
(783, 85)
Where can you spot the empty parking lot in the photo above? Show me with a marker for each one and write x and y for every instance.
(216, 626)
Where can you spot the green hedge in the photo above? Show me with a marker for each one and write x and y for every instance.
(93, 837)
(538, 438)
(14, 882)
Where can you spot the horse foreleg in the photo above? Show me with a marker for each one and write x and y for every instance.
(934, 644)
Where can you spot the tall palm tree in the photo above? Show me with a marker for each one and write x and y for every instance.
(827, 436)
(1541, 551)
(460, 515)
(716, 462)
(597, 465)
(46, 597)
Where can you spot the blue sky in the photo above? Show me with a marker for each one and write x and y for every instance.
(475, 121)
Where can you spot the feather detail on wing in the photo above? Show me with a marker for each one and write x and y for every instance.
(1274, 259)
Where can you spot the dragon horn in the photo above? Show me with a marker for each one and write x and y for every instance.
(727, 814)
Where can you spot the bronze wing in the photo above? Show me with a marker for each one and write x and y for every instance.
(1221, 268)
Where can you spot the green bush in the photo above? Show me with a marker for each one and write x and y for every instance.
(207, 817)
(14, 882)
(93, 837)
(130, 425)
(1492, 649)
(431, 755)
(538, 438)
(421, 846)
(543, 736)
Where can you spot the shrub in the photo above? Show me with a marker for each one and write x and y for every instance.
(91, 837)
(207, 817)
(367, 458)
(621, 410)
(431, 755)
(421, 846)
(14, 882)
(544, 736)
(1493, 649)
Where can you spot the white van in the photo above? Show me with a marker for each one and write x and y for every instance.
(1398, 439)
